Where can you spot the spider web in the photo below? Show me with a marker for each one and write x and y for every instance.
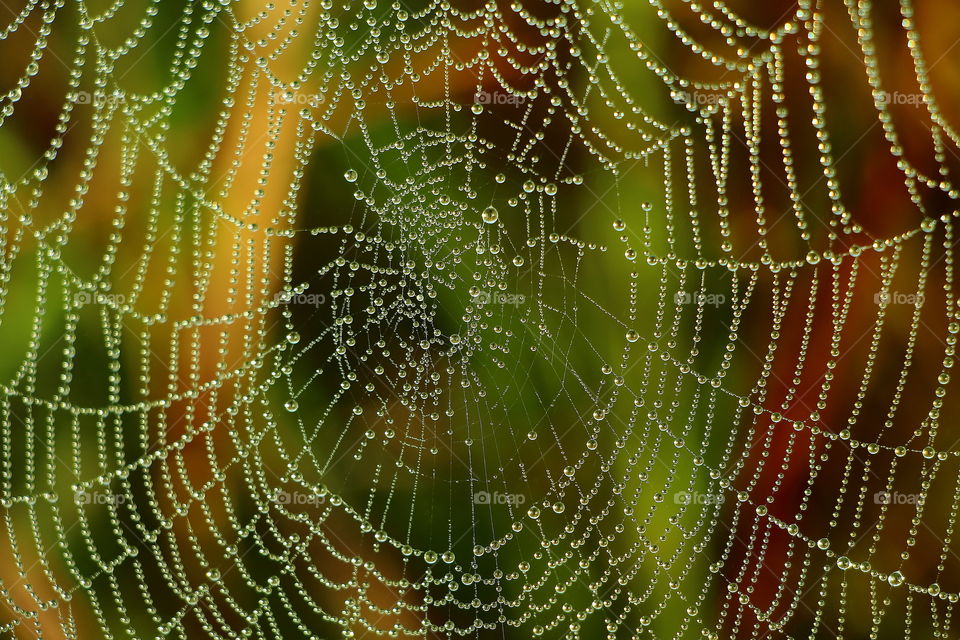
(472, 320)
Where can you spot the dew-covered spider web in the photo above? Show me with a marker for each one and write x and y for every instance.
(439, 319)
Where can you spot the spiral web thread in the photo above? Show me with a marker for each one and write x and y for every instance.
(551, 353)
